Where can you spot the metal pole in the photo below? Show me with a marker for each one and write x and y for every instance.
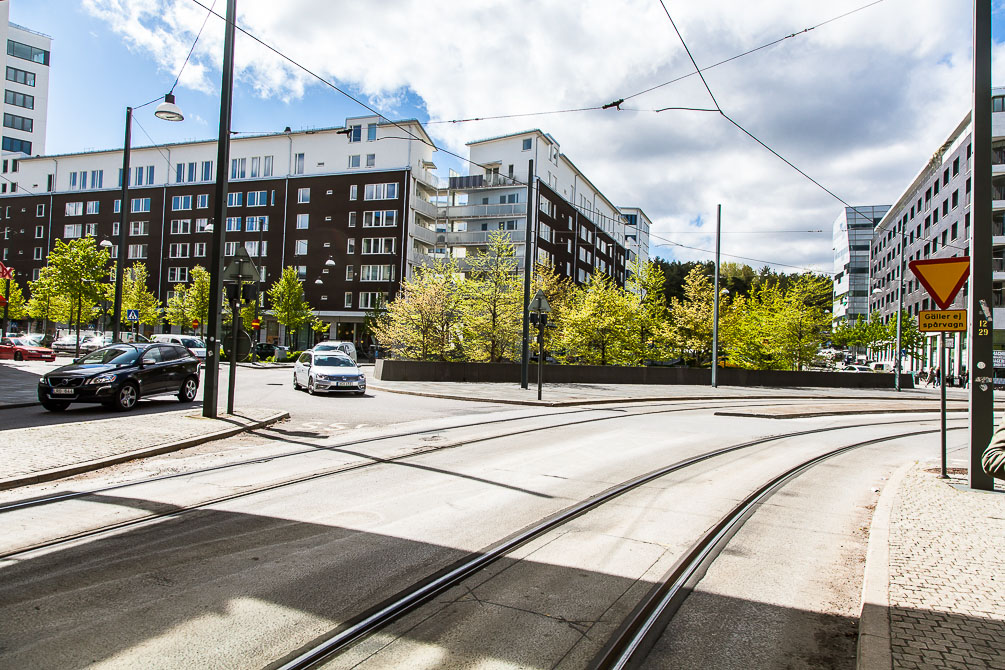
(120, 262)
(6, 309)
(980, 330)
(80, 295)
(900, 309)
(212, 376)
(942, 394)
(540, 352)
(715, 301)
(525, 360)
(235, 309)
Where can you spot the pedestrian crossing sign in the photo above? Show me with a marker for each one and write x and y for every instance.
(132, 315)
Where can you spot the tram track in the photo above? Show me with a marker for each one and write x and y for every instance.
(646, 616)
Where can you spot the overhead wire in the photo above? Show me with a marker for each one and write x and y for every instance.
(670, 242)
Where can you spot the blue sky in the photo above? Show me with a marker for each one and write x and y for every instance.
(860, 103)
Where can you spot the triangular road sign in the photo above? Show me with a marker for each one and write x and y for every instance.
(942, 277)
(242, 268)
(540, 303)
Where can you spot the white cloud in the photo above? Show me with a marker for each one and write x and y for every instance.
(859, 103)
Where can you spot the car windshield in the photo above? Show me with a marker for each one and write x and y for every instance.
(333, 361)
(21, 341)
(193, 343)
(111, 356)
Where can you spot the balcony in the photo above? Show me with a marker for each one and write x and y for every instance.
(465, 212)
(478, 237)
(998, 269)
(425, 208)
(423, 234)
(427, 177)
(491, 180)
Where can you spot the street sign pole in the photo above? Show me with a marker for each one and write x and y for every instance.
(527, 261)
(981, 343)
(235, 310)
(715, 301)
(942, 396)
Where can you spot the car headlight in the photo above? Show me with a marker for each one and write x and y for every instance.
(362, 378)
(45, 380)
(102, 379)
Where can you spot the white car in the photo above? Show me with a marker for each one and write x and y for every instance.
(347, 348)
(193, 344)
(324, 371)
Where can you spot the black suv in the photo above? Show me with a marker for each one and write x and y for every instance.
(119, 374)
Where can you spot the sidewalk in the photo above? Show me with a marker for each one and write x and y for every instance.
(45, 453)
(934, 593)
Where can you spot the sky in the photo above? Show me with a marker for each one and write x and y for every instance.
(859, 103)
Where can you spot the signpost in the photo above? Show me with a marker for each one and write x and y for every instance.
(241, 270)
(942, 278)
(539, 310)
(7, 274)
(132, 315)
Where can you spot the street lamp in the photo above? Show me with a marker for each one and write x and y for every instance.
(168, 111)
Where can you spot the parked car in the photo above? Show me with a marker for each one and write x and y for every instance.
(269, 350)
(120, 374)
(348, 348)
(857, 368)
(24, 349)
(193, 344)
(322, 371)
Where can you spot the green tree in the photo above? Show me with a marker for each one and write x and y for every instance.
(422, 323)
(197, 300)
(492, 302)
(691, 317)
(646, 282)
(176, 312)
(80, 271)
(46, 303)
(601, 323)
(17, 308)
(136, 295)
(559, 291)
(289, 304)
(800, 322)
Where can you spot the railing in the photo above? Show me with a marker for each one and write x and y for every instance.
(424, 234)
(476, 211)
(997, 228)
(425, 208)
(482, 181)
(427, 177)
(998, 264)
(998, 156)
(997, 192)
(478, 236)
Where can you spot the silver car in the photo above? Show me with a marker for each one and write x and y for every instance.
(324, 371)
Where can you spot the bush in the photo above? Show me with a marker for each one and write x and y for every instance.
(293, 355)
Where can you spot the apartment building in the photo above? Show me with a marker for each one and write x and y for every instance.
(26, 93)
(853, 233)
(931, 219)
(364, 196)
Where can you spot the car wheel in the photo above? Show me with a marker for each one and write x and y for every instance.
(296, 386)
(310, 386)
(55, 405)
(18, 356)
(126, 397)
(189, 389)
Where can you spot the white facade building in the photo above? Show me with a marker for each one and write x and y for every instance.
(26, 94)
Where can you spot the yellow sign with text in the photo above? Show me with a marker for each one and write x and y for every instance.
(942, 320)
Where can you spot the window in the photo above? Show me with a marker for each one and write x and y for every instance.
(527, 144)
(97, 178)
(256, 163)
(369, 299)
(40, 210)
(298, 164)
(92, 206)
(229, 248)
(371, 132)
(302, 221)
(303, 195)
(349, 275)
(202, 201)
(201, 225)
(301, 248)
(234, 199)
(11, 144)
(137, 228)
(17, 122)
(371, 160)
(301, 272)
(380, 191)
(378, 245)
(380, 219)
(355, 133)
(267, 168)
(199, 249)
(956, 198)
(254, 224)
(72, 230)
(956, 166)
(19, 99)
(180, 202)
(139, 205)
(233, 224)
(27, 52)
(178, 250)
(237, 168)
(137, 251)
(38, 254)
(74, 208)
(954, 231)
(354, 161)
(252, 247)
(39, 232)
(177, 275)
(207, 171)
(257, 198)
(350, 247)
(181, 226)
(20, 76)
(376, 273)
(352, 219)
(348, 299)
(353, 192)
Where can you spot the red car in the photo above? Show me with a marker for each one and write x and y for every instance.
(21, 349)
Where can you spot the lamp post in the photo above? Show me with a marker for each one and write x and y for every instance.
(900, 306)
(875, 291)
(168, 111)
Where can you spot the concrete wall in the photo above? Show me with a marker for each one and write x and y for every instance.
(392, 370)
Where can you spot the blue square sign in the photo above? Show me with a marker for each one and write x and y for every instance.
(132, 315)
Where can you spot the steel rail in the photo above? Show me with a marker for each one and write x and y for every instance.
(410, 599)
(643, 627)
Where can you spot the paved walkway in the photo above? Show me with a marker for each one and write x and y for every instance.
(52, 451)
(934, 596)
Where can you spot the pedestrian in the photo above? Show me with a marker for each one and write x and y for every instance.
(938, 377)
(930, 377)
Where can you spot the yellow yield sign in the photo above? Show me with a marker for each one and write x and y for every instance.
(942, 277)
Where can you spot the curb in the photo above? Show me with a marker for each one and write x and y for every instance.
(19, 405)
(848, 412)
(874, 620)
(97, 464)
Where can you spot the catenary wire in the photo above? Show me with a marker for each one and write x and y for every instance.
(670, 242)
(192, 50)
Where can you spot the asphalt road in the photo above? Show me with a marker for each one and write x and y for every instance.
(245, 582)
